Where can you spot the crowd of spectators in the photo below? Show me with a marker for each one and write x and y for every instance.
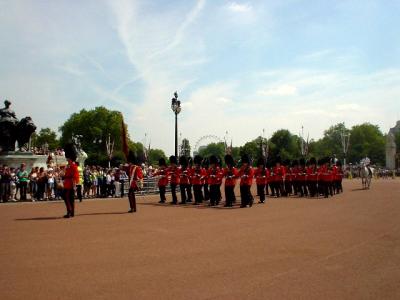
(43, 184)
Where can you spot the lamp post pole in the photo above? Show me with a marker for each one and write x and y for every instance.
(176, 108)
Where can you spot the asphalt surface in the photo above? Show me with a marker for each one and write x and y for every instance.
(345, 247)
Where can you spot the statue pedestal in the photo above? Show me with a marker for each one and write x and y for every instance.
(15, 159)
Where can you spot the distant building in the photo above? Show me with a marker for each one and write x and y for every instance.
(391, 148)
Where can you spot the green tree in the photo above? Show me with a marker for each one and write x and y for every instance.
(397, 141)
(46, 136)
(367, 140)
(330, 144)
(217, 149)
(284, 144)
(95, 126)
(252, 149)
(155, 155)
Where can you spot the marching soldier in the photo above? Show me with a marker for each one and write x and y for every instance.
(206, 164)
(173, 173)
(135, 180)
(230, 174)
(71, 179)
(301, 178)
(312, 177)
(197, 179)
(338, 177)
(246, 179)
(214, 178)
(279, 173)
(261, 174)
(287, 178)
(184, 179)
(162, 178)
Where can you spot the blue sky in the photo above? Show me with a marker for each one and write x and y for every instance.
(238, 66)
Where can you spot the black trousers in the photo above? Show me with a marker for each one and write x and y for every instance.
(162, 193)
(245, 195)
(173, 192)
(79, 192)
(230, 195)
(198, 194)
(132, 199)
(215, 194)
(186, 193)
(261, 192)
(23, 185)
(69, 200)
(206, 192)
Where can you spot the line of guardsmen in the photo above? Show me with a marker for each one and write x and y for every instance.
(274, 178)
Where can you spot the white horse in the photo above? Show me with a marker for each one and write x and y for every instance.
(366, 175)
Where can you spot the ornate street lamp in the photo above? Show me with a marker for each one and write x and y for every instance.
(176, 108)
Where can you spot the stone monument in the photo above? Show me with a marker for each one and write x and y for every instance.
(13, 130)
(391, 148)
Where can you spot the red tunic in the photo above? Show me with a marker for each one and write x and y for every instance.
(279, 173)
(311, 174)
(135, 174)
(71, 176)
(246, 175)
(197, 176)
(184, 176)
(163, 176)
(230, 175)
(261, 175)
(301, 175)
(174, 173)
(214, 176)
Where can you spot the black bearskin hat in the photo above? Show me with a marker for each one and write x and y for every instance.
(213, 160)
(71, 152)
(132, 157)
(313, 161)
(261, 161)
(183, 161)
(205, 162)
(278, 160)
(295, 162)
(197, 159)
(172, 159)
(161, 162)
(338, 163)
(228, 160)
(245, 159)
(302, 162)
(286, 162)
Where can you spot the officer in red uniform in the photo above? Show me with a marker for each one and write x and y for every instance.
(312, 177)
(174, 174)
(214, 176)
(261, 174)
(71, 179)
(279, 173)
(339, 177)
(230, 174)
(294, 176)
(301, 178)
(287, 191)
(135, 175)
(162, 175)
(206, 165)
(246, 175)
(184, 179)
(197, 179)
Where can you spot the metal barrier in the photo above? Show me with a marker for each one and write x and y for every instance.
(150, 186)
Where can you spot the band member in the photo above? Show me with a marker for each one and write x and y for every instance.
(279, 173)
(312, 177)
(71, 179)
(162, 175)
(135, 180)
(206, 164)
(301, 178)
(338, 177)
(230, 174)
(197, 179)
(173, 172)
(214, 174)
(287, 178)
(184, 179)
(246, 179)
(261, 174)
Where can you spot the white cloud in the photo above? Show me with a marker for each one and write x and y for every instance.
(239, 7)
(280, 90)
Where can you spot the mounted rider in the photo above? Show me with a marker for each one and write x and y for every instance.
(366, 162)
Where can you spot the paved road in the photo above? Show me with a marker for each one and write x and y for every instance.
(345, 247)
